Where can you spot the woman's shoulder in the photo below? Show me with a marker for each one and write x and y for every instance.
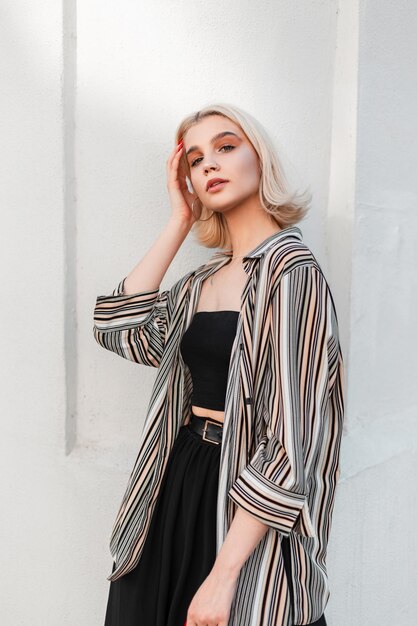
(289, 255)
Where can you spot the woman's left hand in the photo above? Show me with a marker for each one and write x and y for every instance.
(212, 602)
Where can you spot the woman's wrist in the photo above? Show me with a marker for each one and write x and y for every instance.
(181, 224)
(225, 571)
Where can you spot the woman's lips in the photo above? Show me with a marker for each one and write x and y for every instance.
(217, 187)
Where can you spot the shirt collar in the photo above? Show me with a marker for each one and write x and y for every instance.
(261, 248)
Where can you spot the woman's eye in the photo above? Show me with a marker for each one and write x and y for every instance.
(197, 160)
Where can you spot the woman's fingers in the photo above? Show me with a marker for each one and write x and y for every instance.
(172, 165)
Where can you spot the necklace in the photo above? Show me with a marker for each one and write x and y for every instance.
(232, 259)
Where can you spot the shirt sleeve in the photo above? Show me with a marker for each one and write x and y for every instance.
(135, 326)
(274, 485)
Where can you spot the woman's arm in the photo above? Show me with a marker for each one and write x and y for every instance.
(132, 321)
(244, 534)
(274, 485)
(149, 272)
(272, 489)
(214, 597)
(147, 275)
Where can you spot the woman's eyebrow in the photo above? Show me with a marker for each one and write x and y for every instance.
(213, 139)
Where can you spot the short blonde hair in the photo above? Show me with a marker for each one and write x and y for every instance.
(286, 208)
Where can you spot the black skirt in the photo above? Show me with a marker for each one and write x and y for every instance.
(180, 548)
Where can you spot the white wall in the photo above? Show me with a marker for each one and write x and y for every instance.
(91, 97)
(377, 510)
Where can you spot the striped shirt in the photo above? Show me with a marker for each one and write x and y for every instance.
(282, 427)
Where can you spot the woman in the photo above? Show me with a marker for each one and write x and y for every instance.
(227, 512)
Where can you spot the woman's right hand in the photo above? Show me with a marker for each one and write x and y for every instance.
(181, 199)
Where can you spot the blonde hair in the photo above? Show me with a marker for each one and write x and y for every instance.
(286, 208)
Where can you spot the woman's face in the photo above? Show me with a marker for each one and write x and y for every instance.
(230, 156)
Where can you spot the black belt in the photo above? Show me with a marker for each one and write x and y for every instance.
(209, 430)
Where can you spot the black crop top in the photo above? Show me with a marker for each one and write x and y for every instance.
(206, 348)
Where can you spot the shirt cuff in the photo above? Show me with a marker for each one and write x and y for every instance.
(271, 504)
(119, 311)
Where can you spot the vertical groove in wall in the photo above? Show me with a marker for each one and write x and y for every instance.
(68, 82)
(342, 174)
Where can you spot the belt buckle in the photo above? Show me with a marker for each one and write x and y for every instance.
(205, 431)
